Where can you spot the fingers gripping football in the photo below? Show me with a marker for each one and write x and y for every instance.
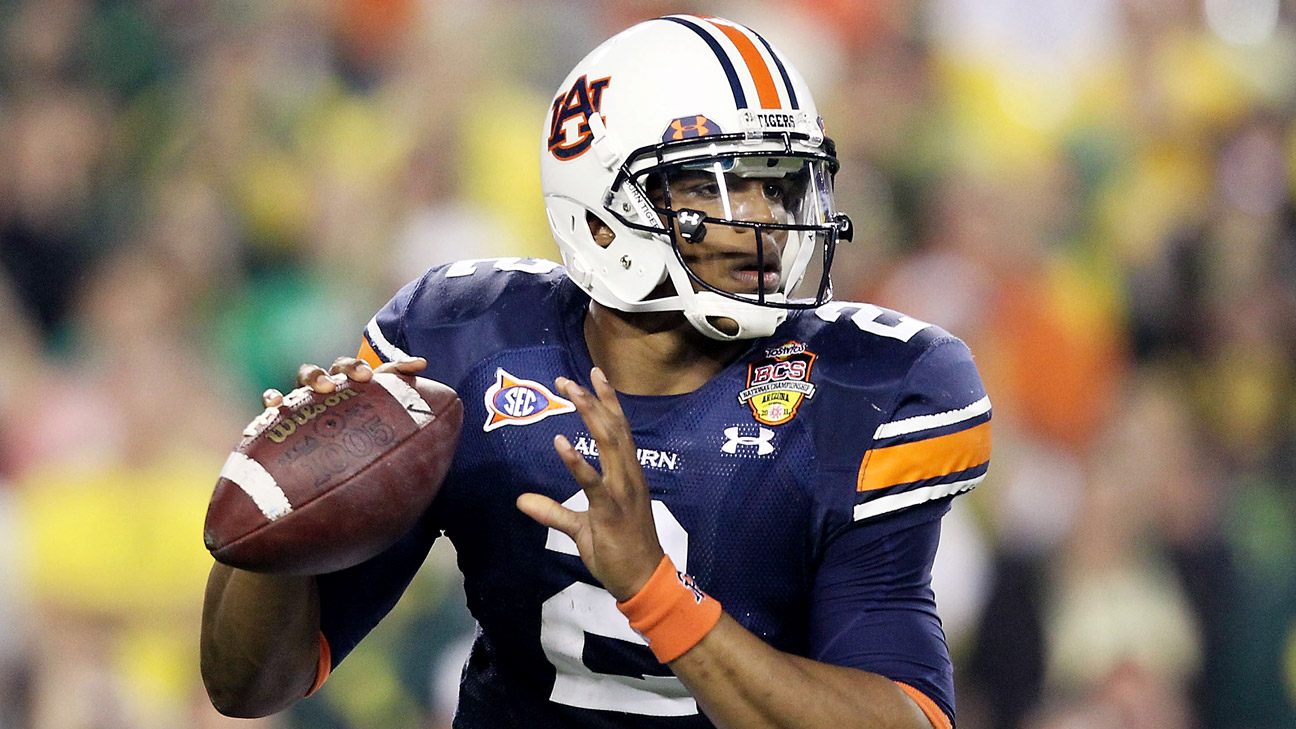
(616, 538)
(335, 471)
(314, 376)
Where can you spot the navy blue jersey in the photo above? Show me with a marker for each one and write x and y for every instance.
(802, 487)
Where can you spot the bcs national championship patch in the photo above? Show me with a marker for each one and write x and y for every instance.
(777, 384)
(515, 401)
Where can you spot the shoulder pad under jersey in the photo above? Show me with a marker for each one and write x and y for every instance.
(459, 312)
(906, 418)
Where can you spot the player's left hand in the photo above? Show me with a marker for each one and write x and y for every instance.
(616, 538)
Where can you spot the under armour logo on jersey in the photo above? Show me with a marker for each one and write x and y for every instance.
(763, 441)
(569, 129)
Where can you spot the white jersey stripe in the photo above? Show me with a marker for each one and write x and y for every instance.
(935, 420)
(905, 499)
(257, 483)
(407, 396)
(386, 349)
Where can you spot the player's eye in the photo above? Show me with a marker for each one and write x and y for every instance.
(775, 191)
(703, 189)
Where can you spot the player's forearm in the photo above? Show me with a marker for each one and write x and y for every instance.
(739, 680)
(260, 640)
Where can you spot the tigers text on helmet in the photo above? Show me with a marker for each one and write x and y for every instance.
(700, 148)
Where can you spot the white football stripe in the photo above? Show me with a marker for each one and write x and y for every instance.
(386, 349)
(257, 483)
(935, 420)
(408, 397)
(895, 502)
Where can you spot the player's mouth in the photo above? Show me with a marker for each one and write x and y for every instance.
(751, 279)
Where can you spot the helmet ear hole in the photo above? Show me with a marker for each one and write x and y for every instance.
(599, 230)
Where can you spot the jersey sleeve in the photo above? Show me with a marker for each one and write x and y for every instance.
(872, 606)
(936, 440)
(459, 312)
(353, 600)
(383, 339)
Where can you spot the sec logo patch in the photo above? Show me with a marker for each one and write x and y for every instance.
(777, 384)
(515, 401)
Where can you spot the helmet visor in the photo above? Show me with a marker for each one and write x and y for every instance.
(748, 225)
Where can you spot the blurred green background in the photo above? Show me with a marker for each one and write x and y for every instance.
(1098, 196)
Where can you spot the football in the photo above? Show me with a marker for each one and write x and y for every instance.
(327, 480)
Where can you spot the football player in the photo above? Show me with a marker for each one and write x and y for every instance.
(690, 490)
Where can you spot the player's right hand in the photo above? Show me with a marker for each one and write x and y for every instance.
(314, 376)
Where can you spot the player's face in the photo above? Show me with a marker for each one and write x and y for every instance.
(727, 256)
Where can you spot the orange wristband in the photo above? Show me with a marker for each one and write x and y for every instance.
(670, 612)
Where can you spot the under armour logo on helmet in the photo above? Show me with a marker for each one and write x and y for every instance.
(690, 225)
(689, 127)
(762, 441)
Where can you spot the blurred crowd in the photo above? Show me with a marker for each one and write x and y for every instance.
(1098, 196)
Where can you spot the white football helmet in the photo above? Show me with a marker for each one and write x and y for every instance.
(706, 97)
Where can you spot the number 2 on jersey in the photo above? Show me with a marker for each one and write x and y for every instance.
(581, 609)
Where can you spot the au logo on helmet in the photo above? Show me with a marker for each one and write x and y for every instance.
(689, 127)
(569, 130)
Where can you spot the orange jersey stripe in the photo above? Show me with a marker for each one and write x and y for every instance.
(368, 354)
(325, 665)
(930, 458)
(929, 708)
(765, 88)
